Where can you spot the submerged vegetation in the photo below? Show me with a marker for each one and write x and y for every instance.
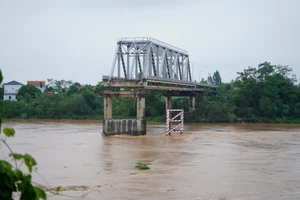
(263, 94)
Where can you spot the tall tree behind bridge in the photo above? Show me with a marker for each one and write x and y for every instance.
(217, 78)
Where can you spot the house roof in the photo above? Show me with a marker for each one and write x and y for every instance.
(49, 92)
(36, 83)
(13, 83)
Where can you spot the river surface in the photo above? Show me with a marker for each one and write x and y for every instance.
(210, 161)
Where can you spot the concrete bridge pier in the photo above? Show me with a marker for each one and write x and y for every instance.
(192, 103)
(107, 107)
(168, 102)
(133, 127)
(140, 107)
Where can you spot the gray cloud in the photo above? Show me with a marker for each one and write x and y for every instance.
(76, 39)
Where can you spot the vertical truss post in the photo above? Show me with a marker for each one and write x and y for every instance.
(183, 68)
(189, 76)
(157, 61)
(144, 64)
(150, 61)
(171, 65)
(168, 66)
(128, 59)
(132, 66)
(153, 62)
(179, 67)
(119, 66)
(147, 63)
(163, 66)
(136, 65)
(176, 65)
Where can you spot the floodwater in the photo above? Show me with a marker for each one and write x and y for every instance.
(210, 161)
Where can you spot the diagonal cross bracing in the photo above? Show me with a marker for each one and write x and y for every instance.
(150, 58)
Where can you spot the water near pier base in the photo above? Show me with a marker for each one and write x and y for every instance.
(132, 127)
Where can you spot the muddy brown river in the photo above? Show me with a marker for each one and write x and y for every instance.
(210, 161)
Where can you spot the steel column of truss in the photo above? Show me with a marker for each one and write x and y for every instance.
(163, 61)
(176, 65)
(171, 65)
(157, 60)
(147, 57)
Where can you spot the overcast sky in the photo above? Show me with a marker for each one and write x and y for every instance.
(76, 39)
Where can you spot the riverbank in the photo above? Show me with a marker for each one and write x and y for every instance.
(157, 120)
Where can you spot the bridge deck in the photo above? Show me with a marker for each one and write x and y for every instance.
(155, 83)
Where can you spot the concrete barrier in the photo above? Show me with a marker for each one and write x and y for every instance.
(132, 127)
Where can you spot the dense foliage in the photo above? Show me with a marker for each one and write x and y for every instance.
(266, 94)
(263, 94)
(27, 92)
(12, 178)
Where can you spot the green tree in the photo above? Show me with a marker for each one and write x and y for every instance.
(99, 87)
(12, 178)
(210, 80)
(28, 92)
(217, 78)
(13, 109)
(59, 86)
(1, 92)
(266, 92)
(203, 81)
(180, 103)
(73, 89)
(90, 98)
(155, 104)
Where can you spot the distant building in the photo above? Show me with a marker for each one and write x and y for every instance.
(38, 84)
(10, 90)
(48, 92)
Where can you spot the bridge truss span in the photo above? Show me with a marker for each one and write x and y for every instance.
(142, 65)
(144, 57)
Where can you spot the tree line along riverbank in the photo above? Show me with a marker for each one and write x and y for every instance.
(264, 94)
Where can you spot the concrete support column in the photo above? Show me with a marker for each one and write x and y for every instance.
(140, 108)
(192, 103)
(107, 107)
(168, 102)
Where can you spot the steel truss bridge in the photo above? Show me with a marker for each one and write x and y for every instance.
(143, 64)
(150, 64)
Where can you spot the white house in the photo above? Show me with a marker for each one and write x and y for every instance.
(38, 84)
(11, 89)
